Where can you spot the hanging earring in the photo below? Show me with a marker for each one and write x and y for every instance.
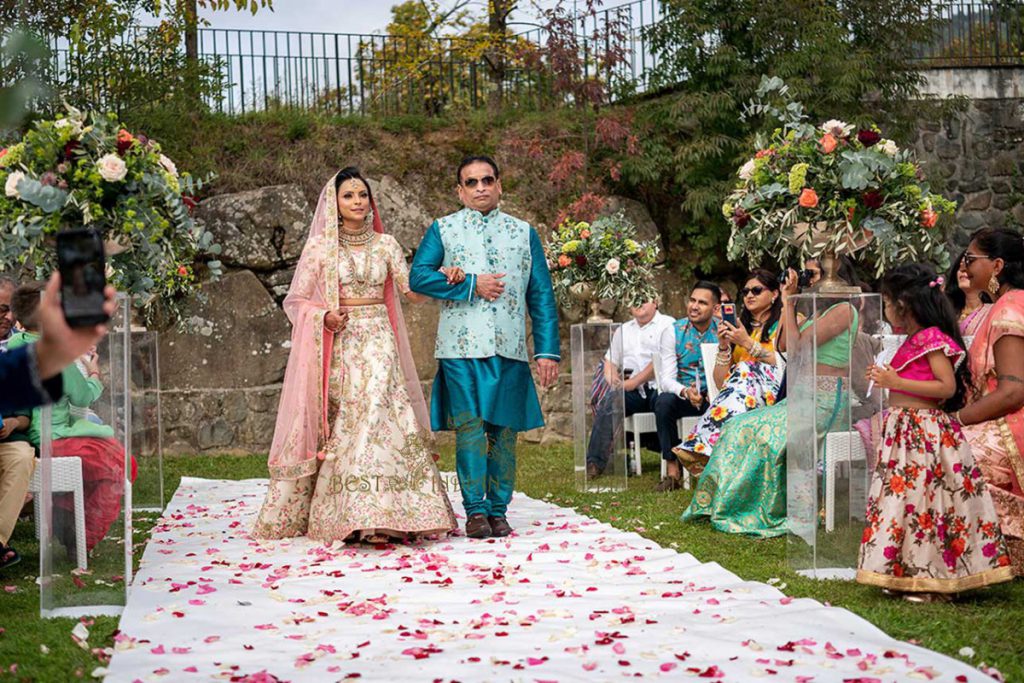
(369, 218)
(993, 285)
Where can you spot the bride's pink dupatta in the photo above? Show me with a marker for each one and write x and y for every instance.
(302, 422)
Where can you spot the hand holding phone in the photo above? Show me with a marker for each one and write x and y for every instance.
(82, 266)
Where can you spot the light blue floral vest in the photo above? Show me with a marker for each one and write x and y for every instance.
(495, 243)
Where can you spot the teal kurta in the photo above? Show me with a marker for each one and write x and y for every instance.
(481, 348)
(78, 391)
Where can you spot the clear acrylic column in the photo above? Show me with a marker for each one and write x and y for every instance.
(831, 417)
(598, 408)
(87, 549)
(147, 428)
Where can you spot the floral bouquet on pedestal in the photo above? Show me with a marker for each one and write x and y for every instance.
(88, 171)
(812, 191)
(591, 262)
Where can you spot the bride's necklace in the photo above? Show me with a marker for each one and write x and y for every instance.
(357, 239)
(354, 239)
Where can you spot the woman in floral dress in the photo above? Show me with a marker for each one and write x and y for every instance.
(748, 369)
(350, 459)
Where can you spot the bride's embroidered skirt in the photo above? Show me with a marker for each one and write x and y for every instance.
(377, 476)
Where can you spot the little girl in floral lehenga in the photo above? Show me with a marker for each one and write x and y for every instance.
(932, 529)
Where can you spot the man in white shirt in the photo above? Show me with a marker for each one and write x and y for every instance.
(682, 389)
(634, 350)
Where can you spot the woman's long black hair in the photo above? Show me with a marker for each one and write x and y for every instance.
(952, 286)
(910, 286)
(769, 280)
(351, 173)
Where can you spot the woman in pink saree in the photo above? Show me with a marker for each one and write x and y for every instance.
(351, 458)
(994, 417)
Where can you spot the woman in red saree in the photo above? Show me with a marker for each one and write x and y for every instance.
(994, 417)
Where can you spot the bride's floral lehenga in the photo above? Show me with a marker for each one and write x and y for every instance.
(351, 454)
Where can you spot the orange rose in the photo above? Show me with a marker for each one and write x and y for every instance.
(182, 271)
(896, 484)
(808, 198)
(564, 260)
(584, 234)
(828, 143)
(929, 218)
(957, 546)
(866, 536)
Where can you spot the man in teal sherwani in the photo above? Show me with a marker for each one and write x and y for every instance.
(484, 390)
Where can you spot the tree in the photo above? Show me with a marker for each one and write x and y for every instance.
(111, 60)
(852, 60)
(498, 12)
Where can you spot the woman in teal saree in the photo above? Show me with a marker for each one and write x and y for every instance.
(743, 488)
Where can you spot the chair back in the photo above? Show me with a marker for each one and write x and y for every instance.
(707, 354)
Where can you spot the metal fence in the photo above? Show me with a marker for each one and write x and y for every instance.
(358, 74)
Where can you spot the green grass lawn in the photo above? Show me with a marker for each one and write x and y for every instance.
(987, 621)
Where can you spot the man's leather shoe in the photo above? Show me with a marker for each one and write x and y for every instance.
(499, 526)
(477, 526)
(592, 471)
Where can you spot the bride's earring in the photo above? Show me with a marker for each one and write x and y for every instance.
(369, 217)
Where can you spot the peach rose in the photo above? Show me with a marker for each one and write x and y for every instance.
(808, 198)
(828, 143)
(564, 260)
(929, 218)
(584, 234)
(112, 168)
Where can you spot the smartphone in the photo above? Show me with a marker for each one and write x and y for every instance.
(82, 266)
(729, 313)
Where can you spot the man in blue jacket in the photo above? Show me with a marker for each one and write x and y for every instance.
(484, 390)
(30, 376)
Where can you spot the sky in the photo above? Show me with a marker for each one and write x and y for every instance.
(342, 16)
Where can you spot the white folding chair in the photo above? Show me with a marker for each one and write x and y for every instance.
(707, 354)
(66, 477)
(641, 423)
(840, 448)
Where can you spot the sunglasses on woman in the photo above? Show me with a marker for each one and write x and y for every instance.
(968, 259)
(486, 181)
(756, 290)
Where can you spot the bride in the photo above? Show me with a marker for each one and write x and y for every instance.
(350, 458)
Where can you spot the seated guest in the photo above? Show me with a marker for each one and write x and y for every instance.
(634, 350)
(743, 487)
(31, 375)
(17, 458)
(7, 287)
(681, 386)
(102, 456)
(17, 461)
(747, 368)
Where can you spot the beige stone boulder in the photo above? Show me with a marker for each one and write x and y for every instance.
(234, 337)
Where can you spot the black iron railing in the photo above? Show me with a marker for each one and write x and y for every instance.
(252, 70)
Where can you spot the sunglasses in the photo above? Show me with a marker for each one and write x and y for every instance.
(968, 259)
(756, 291)
(486, 181)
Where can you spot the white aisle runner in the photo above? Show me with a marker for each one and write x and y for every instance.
(566, 598)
